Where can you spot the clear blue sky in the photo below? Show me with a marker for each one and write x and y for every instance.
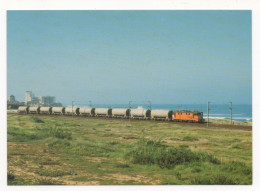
(116, 56)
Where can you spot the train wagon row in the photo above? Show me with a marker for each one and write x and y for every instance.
(136, 113)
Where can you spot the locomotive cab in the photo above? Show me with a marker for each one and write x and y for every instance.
(188, 116)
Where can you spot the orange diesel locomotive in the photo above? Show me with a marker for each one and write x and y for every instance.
(187, 116)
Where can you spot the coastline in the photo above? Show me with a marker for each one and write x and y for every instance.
(227, 121)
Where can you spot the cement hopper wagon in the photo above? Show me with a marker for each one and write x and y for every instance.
(140, 113)
(34, 110)
(87, 111)
(103, 112)
(46, 110)
(72, 110)
(58, 110)
(121, 112)
(23, 109)
(161, 114)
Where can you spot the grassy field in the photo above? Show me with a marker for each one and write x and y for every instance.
(56, 150)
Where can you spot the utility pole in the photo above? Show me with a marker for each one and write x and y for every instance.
(208, 113)
(90, 103)
(149, 106)
(72, 107)
(129, 106)
(230, 112)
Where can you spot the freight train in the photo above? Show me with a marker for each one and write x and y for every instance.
(135, 113)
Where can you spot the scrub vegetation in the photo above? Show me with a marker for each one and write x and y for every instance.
(60, 150)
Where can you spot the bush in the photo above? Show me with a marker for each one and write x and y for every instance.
(236, 166)
(122, 165)
(218, 179)
(24, 135)
(60, 133)
(10, 177)
(153, 152)
(21, 135)
(37, 120)
(13, 180)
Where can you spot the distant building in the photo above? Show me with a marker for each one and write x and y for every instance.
(47, 100)
(30, 99)
(12, 103)
(11, 99)
(28, 96)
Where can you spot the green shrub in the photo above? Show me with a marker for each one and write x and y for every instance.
(10, 176)
(60, 133)
(153, 152)
(222, 179)
(178, 175)
(122, 165)
(196, 169)
(21, 135)
(37, 120)
(236, 166)
(13, 180)
(38, 133)
(218, 179)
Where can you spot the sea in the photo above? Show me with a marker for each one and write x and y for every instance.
(240, 112)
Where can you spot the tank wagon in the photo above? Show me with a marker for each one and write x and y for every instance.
(140, 113)
(161, 114)
(46, 110)
(103, 112)
(137, 113)
(34, 110)
(58, 110)
(121, 112)
(87, 111)
(23, 109)
(188, 116)
(72, 111)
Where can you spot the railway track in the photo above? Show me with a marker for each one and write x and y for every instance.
(198, 125)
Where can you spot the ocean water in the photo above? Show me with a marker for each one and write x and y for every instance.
(240, 112)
